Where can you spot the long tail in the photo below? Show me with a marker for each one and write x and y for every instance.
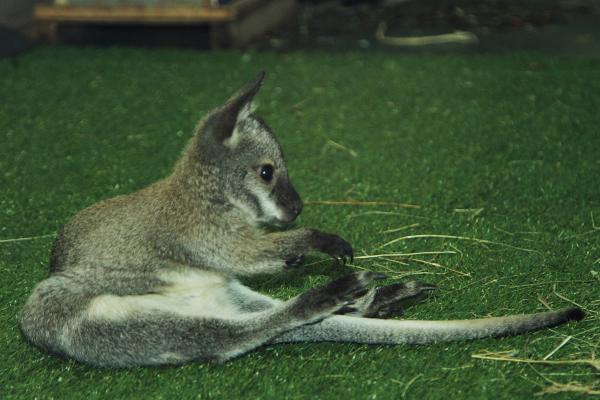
(341, 328)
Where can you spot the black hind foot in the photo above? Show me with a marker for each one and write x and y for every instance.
(323, 301)
(386, 301)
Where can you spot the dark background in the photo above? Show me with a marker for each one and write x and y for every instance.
(557, 26)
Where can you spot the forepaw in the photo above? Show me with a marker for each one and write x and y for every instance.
(335, 246)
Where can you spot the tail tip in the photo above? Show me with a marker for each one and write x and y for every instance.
(575, 314)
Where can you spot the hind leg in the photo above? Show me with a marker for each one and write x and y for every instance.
(154, 329)
(247, 300)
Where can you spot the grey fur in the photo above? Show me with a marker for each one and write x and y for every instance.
(150, 278)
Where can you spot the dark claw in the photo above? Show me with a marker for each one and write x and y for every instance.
(340, 260)
(294, 261)
(347, 252)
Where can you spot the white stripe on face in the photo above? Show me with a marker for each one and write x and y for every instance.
(268, 206)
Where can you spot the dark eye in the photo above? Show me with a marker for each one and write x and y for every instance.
(266, 172)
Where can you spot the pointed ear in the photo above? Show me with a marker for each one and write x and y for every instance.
(221, 124)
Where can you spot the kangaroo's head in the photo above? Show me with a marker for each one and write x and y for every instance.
(247, 160)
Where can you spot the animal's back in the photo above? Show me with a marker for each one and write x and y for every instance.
(112, 233)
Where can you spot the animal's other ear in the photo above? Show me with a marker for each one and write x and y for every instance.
(221, 123)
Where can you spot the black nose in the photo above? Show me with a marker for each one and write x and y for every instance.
(288, 199)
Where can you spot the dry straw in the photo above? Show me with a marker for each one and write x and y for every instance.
(360, 203)
(507, 356)
(24, 239)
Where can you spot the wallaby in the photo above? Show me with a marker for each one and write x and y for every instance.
(149, 278)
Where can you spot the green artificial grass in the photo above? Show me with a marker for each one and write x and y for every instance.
(497, 148)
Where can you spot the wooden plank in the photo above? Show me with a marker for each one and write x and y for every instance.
(244, 7)
(133, 14)
(254, 18)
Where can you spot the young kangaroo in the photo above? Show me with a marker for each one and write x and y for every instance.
(150, 278)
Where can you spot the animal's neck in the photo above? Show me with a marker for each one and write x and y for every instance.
(195, 181)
